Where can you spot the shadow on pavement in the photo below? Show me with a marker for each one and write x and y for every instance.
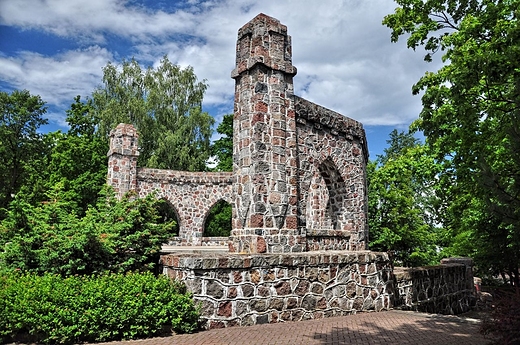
(408, 328)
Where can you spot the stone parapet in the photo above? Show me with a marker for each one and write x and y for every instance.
(445, 289)
(235, 289)
(204, 242)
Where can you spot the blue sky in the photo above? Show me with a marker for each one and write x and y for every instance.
(345, 60)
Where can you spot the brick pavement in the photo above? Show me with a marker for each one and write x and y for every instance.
(390, 327)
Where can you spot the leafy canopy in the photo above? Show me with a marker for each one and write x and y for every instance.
(165, 105)
(21, 149)
(471, 113)
(116, 236)
(401, 200)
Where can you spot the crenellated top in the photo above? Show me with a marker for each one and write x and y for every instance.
(263, 40)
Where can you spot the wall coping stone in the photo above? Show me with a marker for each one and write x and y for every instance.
(462, 260)
(327, 233)
(175, 176)
(407, 273)
(209, 261)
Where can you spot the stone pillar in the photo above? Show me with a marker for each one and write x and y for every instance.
(468, 262)
(122, 159)
(264, 135)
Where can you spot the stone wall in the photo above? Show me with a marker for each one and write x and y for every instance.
(190, 194)
(447, 288)
(250, 289)
(332, 154)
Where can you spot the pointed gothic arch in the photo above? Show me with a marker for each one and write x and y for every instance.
(327, 197)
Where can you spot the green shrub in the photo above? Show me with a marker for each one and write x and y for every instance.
(52, 309)
(118, 236)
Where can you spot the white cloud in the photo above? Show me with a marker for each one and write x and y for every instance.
(57, 79)
(92, 19)
(343, 54)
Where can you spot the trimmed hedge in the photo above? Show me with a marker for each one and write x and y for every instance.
(52, 309)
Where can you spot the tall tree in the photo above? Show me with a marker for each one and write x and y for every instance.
(402, 201)
(471, 113)
(218, 222)
(21, 115)
(222, 148)
(76, 160)
(165, 104)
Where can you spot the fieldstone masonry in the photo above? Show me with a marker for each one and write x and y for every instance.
(190, 194)
(242, 290)
(297, 249)
(298, 181)
(299, 168)
(447, 288)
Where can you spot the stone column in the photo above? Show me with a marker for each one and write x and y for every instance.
(122, 159)
(264, 135)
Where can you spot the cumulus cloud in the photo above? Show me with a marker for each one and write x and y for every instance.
(57, 79)
(343, 54)
(93, 19)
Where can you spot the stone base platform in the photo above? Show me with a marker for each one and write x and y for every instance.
(246, 289)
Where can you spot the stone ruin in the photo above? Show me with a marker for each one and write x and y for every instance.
(298, 245)
(298, 181)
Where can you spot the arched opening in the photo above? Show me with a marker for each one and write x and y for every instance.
(327, 195)
(218, 221)
(167, 213)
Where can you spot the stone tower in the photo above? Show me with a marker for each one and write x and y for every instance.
(265, 145)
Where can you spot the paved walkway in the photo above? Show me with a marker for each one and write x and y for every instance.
(390, 327)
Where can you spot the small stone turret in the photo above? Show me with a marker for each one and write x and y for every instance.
(122, 159)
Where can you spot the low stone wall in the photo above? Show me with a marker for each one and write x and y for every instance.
(239, 289)
(446, 288)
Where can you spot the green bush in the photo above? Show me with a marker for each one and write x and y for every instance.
(53, 309)
(115, 236)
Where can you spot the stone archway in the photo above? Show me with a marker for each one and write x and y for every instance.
(218, 220)
(168, 212)
(327, 189)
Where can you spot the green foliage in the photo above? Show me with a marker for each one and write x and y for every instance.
(165, 105)
(471, 117)
(222, 148)
(21, 147)
(75, 160)
(218, 222)
(56, 310)
(402, 202)
(115, 236)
